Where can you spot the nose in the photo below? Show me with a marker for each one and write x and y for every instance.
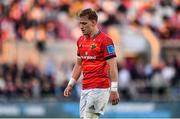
(81, 26)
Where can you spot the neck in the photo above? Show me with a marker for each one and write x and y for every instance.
(94, 32)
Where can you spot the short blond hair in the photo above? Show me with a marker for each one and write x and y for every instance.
(90, 13)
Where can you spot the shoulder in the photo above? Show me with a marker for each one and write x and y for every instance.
(80, 39)
(105, 38)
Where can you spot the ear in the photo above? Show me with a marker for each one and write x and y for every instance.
(94, 22)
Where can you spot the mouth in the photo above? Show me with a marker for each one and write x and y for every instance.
(83, 30)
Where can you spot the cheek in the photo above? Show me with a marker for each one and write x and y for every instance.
(89, 26)
(86, 26)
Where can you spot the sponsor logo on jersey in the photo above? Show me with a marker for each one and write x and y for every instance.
(88, 57)
(92, 107)
(110, 49)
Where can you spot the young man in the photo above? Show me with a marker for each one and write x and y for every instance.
(96, 59)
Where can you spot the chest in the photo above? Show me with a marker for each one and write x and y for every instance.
(90, 48)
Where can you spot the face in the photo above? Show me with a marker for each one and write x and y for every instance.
(86, 25)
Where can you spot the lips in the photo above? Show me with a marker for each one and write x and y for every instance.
(83, 31)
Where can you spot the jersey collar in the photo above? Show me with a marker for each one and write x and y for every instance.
(94, 36)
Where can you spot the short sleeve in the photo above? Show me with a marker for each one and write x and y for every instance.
(108, 49)
(78, 45)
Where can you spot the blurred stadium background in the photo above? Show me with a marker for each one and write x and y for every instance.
(38, 51)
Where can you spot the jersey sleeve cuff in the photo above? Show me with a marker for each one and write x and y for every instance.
(109, 57)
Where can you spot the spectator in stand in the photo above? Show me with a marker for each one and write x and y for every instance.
(175, 23)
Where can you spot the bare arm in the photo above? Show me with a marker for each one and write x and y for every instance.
(113, 69)
(114, 95)
(77, 69)
(75, 76)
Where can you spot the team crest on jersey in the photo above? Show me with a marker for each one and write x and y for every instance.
(93, 46)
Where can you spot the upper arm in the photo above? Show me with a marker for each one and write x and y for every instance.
(108, 49)
(113, 72)
(79, 61)
(112, 62)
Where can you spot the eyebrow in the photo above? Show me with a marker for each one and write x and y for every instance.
(83, 22)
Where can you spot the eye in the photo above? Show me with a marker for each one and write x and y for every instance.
(83, 23)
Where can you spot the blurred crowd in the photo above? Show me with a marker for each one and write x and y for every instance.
(137, 80)
(56, 19)
(29, 81)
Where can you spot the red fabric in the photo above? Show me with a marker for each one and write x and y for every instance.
(94, 52)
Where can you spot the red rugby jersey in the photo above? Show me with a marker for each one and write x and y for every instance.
(94, 52)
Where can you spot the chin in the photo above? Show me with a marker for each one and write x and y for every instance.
(85, 34)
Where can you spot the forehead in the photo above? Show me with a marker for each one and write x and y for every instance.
(84, 19)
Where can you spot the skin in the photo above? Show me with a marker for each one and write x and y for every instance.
(89, 28)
